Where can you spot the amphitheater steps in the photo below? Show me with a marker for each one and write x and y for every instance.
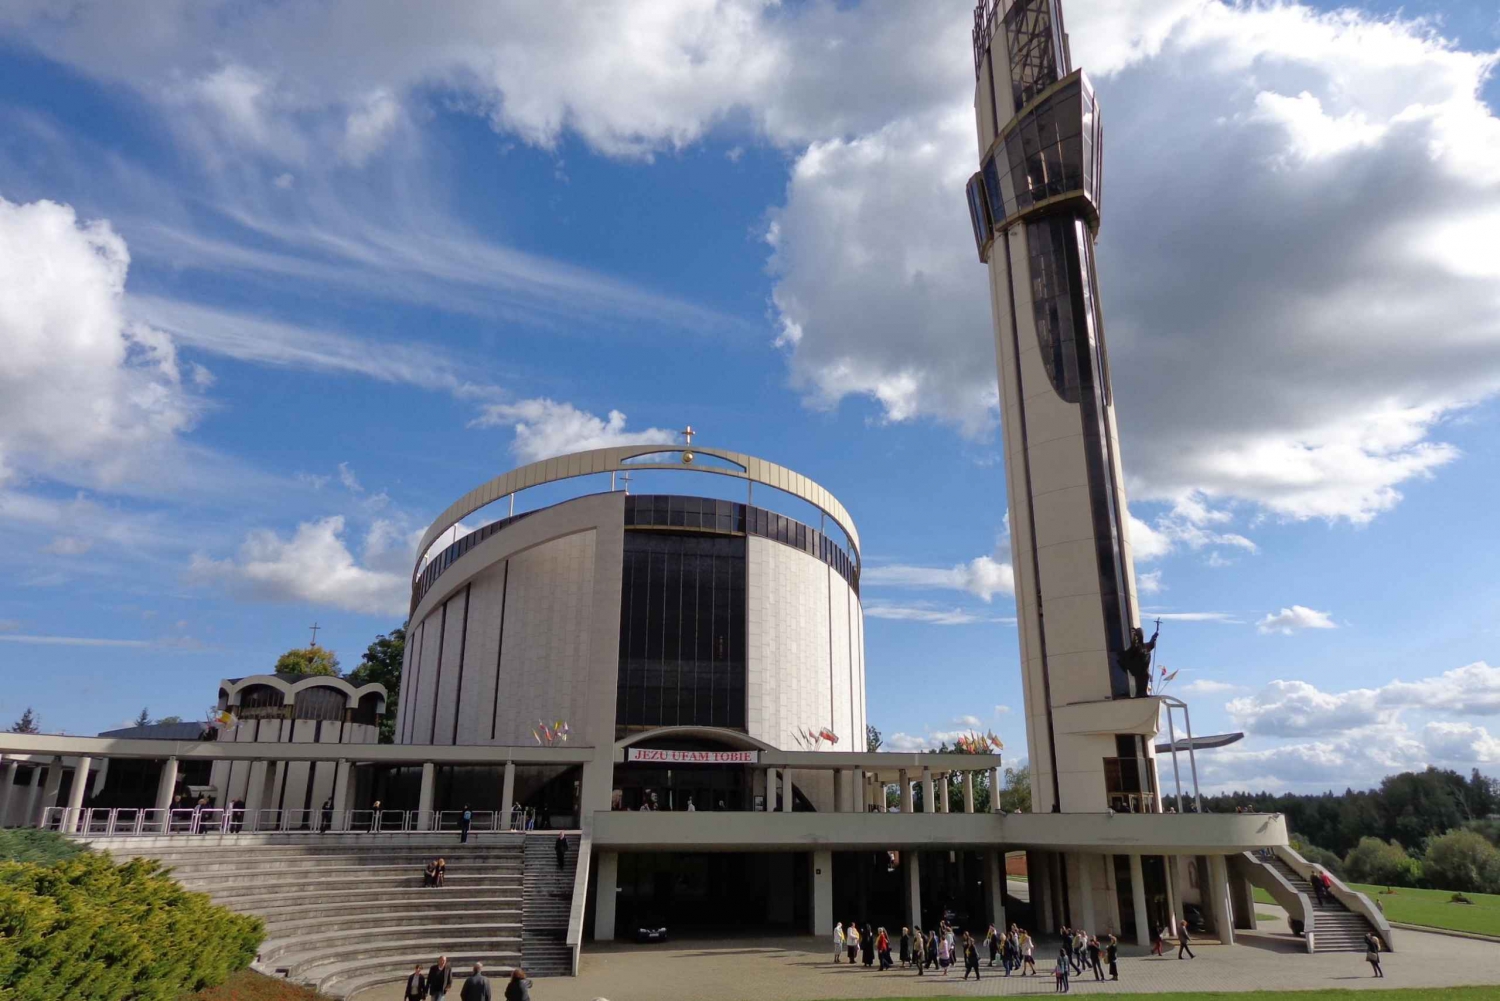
(346, 912)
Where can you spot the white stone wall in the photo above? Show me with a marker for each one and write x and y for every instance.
(804, 650)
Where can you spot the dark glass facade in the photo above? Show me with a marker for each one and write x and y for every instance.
(682, 631)
(445, 559)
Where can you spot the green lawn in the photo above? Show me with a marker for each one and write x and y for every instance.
(1433, 909)
(1400, 994)
(1262, 897)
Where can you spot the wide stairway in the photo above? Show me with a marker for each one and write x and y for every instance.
(346, 912)
(547, 903)
(1335, 927)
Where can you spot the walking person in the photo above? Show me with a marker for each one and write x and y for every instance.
(1158, 935)
(883, 949)
(465, 819)
(867, 945)
(1372, 953)
(416, 985)
(1111, 954)
(838, 942)
(932, 950)
(1093, 957)
(851, 938)
(518, 988)
(1008, 955)
(476, 986)
(439, 979)
(919, 950)
(325, 822)
(560, 848)
(1316, 879)
(1028, 952)
(1060, 973)
(945, 954)
(971, 957)
(992, 939)
(905, 947)
(1184, 941)
(374, 816)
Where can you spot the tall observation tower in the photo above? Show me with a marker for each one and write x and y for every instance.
(1035, 207)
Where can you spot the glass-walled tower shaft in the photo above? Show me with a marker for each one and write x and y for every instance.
(1035, 205)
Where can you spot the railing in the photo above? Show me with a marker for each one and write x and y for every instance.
(126, 821)
(576, 911)
(1352, 900)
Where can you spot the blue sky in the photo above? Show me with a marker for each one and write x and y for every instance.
(276, 287)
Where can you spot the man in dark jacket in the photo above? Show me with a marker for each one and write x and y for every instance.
(439, 979)
(476, 987)
(465, 821)
(416, 984)
(561, 847)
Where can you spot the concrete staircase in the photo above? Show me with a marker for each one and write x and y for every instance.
(346, 912)
(547, 899)
(1335, 927)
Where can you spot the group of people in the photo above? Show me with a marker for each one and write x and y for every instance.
(434, 872)
(1081, 952)
(935, 949)
(437, 982)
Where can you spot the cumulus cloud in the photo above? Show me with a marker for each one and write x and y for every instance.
(544, 428)
(1461, 742)
(1208, 686)
(984, 577)
(1294, 619)
(314, 565)
(85, 394)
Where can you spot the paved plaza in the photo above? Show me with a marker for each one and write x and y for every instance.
(800, 969)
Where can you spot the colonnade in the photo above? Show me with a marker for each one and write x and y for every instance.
(856, 790)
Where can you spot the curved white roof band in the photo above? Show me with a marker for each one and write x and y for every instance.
(607, 460)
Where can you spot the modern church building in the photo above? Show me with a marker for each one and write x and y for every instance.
(676, 676)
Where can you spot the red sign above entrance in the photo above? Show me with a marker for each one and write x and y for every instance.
(691, 757)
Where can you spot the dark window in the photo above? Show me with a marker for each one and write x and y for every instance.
(682, 631)
(319, 702)
(1052, 302)
(1033, 47)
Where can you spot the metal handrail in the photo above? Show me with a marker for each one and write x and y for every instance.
(133, 821)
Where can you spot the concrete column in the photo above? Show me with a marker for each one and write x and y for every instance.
(507, 794)
(929, 797)
(7, 785)
(822, 892)
(1082, 880)
(255, 793)
(861, 792)
(968, 792)
(994, 885)
(341, 796)
(1174, 904)
(1218, 899)
(53, 787)
(911, 862)
(770, 790)
(943, 804)
(607, 869)
(1043, 901)
(786, 791)
(166, 783)
(29, 817)
(994, 790)
(74, 817)
(1241, 900)
(906, 797)
(1138, 901)
(839, 806)
(424, 798)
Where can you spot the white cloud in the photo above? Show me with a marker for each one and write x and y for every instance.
(1187, 523)
(349, 480)
(968, 721)
(371, 126)
(1461, 742)
(984, 577)
(1148, 583)
(1298, 617)
(85, 395)
(1001, 710)
(929, 614)
(545, 428)
(1224, 617)
(174, 642)
(1294, 708)
(68, 545)
(1208, 686)
(1356, 758)
(314, 566)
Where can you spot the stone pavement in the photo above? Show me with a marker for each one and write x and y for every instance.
(800, 969)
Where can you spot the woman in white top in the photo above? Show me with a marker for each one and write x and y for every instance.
(851, 941)
(1028, 953)
(838, 940)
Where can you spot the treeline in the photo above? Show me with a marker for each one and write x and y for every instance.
(1432, 828)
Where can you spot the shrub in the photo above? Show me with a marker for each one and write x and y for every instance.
(26, 844)
(1385, 863)
(1318, 856)
(85, 929)
(1462, 860)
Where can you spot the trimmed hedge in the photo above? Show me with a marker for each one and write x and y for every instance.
(85, 929)
(27, 844)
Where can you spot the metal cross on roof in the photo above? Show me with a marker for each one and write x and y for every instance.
(314, 627)
(687, 434)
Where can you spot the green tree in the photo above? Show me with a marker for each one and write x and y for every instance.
(170, 719)
(1462, 860)
(381, 664)
(872, 738)
(1016, 796)
(144, 719)
(29, 722)
(1382, 862)
(308, 660)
